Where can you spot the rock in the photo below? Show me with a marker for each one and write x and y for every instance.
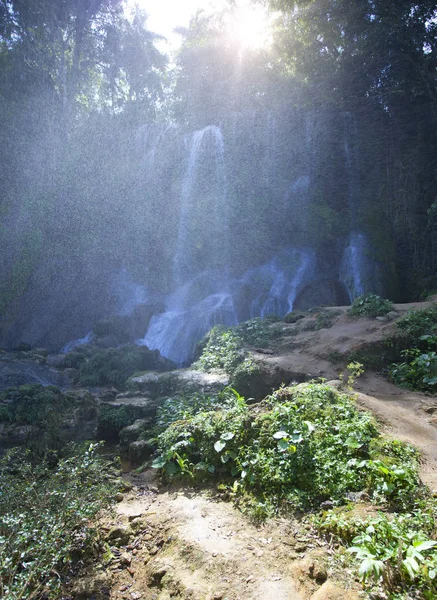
(182, 380)
(330, 591)
(108, 394)
(143, 407)
(96, 586)
(322, 292)
(14, 373)
(138, 523)
(157, 574)
(140, 451)
(318, 572)
(125, 558)
(119, 535)
(392, 315)
(383, 319)
(294, 316)
(131, 433)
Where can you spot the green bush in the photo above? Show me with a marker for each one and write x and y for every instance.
(259, 332)
(370, 305)
(395, 553)
(112, 419)
(45, 519)
(114, 365)
(418, 323)
(301, 446)
(185, 406)
(39, 406)
(418, 370)
(222, 349)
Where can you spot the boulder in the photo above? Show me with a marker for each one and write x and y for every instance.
(131, 433)
(182, 380)
(140, 451)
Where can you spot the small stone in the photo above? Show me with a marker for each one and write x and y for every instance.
(119, 497)
(299, 547)
(154, 550)
(217, 596)
(125, 558)
(135, 516)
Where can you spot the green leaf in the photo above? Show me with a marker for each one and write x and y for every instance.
(352, 443)
(219, 445)
(412, 566)
(158, 463)
(421, 546)
(278, 435)
(283, 445)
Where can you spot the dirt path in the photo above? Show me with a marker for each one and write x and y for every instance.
(189, 544)
(408, 416)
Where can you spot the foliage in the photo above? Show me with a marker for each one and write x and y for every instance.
(418, 323)
(354, 370)
(112, 419)
(302, 445)
(259, 332)
(294, 316)
(46, 515)
(36, 406)
(370, 305)
(223, 350)
(395, 551)
(185, 406)
(73, 360)
(114, 365)
(418, 370)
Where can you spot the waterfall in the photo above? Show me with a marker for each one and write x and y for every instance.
(358, 271)
(203, 216)
(190, 312)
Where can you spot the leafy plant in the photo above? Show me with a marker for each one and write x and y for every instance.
(370, 305)
(302, 445)
(418, 370)
(46, 517)
(222, 349)
(354, 370)
(113, 366)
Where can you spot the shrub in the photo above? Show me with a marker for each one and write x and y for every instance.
(45, 518)
(259, 332)
(222, 349)
(309, 443)
(112, 419)
(114, 365)
(39, 406)
(370, 305)
(418, 370)
(417, 323)
(394, 552)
